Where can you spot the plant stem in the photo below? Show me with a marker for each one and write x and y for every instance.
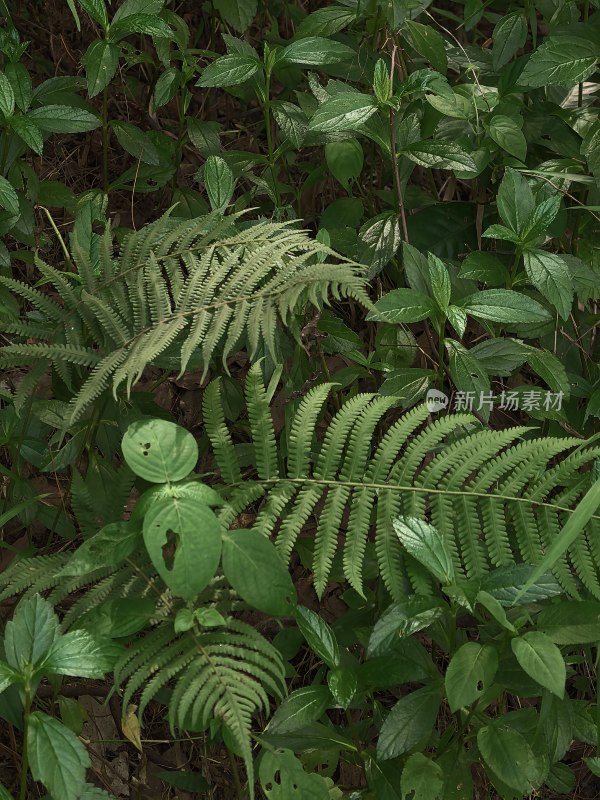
(105, 139)
(24, 758)
(267, 114)
(395, 167)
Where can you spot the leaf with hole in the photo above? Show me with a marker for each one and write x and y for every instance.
(183, 540)
(159, 451)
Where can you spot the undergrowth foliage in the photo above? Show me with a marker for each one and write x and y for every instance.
(283, 287)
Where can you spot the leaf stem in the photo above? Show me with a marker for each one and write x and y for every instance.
(24, 758)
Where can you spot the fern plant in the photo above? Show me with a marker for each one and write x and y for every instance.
(497, 497)
(182, 287)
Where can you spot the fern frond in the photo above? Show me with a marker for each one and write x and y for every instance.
(198, 285)
(495, 497)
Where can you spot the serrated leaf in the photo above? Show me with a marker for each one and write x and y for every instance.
(506, 133)
(562, 61)
(237, 13)
(508, 754)
(344, 112)
(504, 306)
(9, 199)
(319, 636)
(470, 673)
(552, 278)
(515, 201)
(219, 182)
(317, 51)
(136, 142)
(409, 723)
(428, 43)
(299, 709)
(110, 546)
(31, 632)
(7, 96)
(425, 544)
(229, 70)
(257, 572)
(541, 659)
(101, 61)
(81, 654)
(422, 779)
(440, 155)
(56, 757)
(510, 34)
(29, 132)
(402, 305)
(63, 119)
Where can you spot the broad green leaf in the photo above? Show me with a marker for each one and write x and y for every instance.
(458, 319)
(342, 682)
(560, 60)
(7, 96)
(293, 122)
(550, 275)
(573, 527)
(257, 572)
(9, 200)
(204, 136)
(300, 708)
(379, 242)
(166, 87)
(20, 80)
(467, 373)
(571, 622)
(56, 757)
(510, 34)
(228, 71)
(409, 723)
(484, 267)
(28, 131)
(148, 24)
(507, 585)
(509, 755)
(130, 7)
(495, 608)
(63, 119)
(401, 620)
(470, 673)
(382, 85)
(346, 111)
(97, 11)
(8, 676)
(440, 155)
(136, 142)
(440, 281)
(501, 356)
(101, 60)
(506, 133)
(541, 659)
(542, 217)
(31, 632)
(402, 305)
(425, 544)
(81, 654)
(110, 546)
(515, 201)
(316, 51)
(550, 369)
(183, 540)
(117, 618)
(159, 451)
(326, 21)
(504, 306)
(422, 779)
(72, 714)
(219, 182)
(345, 160)
(282, 777)
(428, 43)
(237, 13)
(319, 636)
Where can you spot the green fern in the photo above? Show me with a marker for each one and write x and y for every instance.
(188, 288)
(495, 497)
